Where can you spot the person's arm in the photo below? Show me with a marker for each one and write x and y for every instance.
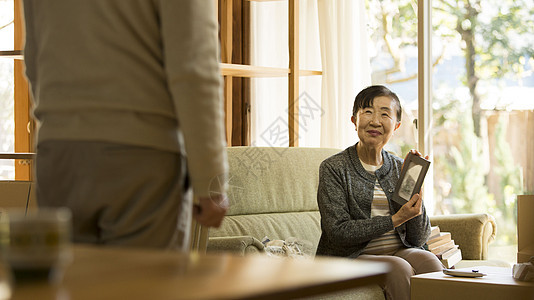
(191, 59)
(337, 223)
(210, 211)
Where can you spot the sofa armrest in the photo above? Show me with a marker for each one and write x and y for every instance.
(472, 232)
(236, 244)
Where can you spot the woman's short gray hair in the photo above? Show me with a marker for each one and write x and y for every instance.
(366, 96)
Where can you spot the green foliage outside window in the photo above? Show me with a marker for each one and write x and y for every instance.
(496, 41)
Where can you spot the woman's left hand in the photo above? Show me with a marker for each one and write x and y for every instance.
(415, 152)
(409, 210)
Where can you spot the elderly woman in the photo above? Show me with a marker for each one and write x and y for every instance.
(358, 217)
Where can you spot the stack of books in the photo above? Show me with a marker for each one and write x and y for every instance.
(442, 245)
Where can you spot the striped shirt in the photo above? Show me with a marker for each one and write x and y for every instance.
(389, 242)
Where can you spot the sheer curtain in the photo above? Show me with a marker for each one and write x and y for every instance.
(332, 39)
(346, 67)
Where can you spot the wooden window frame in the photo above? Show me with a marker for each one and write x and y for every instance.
(24, 124)
(234, 24)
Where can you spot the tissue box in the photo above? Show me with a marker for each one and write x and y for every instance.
(523, 272)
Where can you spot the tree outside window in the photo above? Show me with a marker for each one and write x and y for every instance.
(483, 57)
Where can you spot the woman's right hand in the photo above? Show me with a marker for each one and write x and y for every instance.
(409, 210)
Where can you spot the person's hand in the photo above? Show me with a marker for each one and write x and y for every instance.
(408, 211)
(413, 151)
(210, 211)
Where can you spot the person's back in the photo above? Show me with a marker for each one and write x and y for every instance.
(129, 77)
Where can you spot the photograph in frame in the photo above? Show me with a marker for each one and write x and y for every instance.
(411, 179)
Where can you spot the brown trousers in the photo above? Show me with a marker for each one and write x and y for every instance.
(118, 194)
(405, 263)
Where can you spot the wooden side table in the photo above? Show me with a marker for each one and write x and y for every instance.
(498, 284)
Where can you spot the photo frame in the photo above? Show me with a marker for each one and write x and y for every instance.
(411, 178)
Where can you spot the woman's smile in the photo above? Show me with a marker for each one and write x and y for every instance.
(374, 132)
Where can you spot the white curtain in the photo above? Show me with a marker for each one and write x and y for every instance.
(331, 41)
(346, 67)
(269, 49)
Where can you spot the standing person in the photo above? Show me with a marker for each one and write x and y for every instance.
(358, 217)
(128, 97)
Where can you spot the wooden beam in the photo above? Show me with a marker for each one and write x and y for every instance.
(310, 73)
(226, 13)
(12, 54)
(252, 71)
(228, 108)
(294, 74)
(236, 70)
(246, 86)
(239, 70)
(22, 107)
(238, 95)
(17, 155)
(529, 170)
(226, 30)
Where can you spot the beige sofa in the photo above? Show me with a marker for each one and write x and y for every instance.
(273, 194)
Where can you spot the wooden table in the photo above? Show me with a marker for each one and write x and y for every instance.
(112, 273)
(498, 284)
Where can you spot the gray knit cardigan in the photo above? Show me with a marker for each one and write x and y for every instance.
(345, 195)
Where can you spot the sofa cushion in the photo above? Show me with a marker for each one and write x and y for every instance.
(242, 245)
(304, 226)
(260, 175)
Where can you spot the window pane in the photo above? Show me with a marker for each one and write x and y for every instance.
(6, 24)
(7, 125)
(393, 53)
(269, 48)
(483, 82)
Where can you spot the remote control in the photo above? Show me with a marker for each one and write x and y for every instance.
(458, 273)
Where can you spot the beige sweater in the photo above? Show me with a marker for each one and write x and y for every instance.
(135, 72)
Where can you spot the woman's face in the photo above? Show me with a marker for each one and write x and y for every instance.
(375, 125)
